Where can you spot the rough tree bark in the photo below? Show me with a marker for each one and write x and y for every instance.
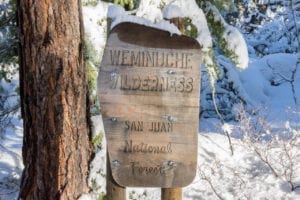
(54, 99)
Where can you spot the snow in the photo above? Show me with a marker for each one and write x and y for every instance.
(172, 11)
(234, 177)
(150, 9)
(266, 85)
(226, 127)
(192, 10)
(11, 165)
(163, 25)
(95, 25)
(235, 42)
(119, 15)
(114, 11)
(260, 89)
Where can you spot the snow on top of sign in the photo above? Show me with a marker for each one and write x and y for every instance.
(171, 11)
(114, 11)
(150, 9)
(192, 11)
(119, 15)
(150, 14)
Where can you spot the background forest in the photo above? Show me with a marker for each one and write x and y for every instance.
(249, 136)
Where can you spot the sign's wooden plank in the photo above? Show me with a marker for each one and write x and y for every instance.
(152, 100)
(149, 112)
(149, 82)
(149, 87)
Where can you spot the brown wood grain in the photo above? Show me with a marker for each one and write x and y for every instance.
(113, 190)
(57, 148)
(171, 193)
(149, 87)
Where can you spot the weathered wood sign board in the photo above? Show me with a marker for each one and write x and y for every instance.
(149, 95)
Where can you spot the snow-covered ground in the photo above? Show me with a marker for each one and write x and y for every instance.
(11, 139)
(11, 164)
(221, 175)
(241, 176)
(257, 170)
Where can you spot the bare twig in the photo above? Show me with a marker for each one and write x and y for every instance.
(206, 178)
(223, 122)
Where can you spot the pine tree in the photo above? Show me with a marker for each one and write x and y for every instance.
(54, 98)
(8, 63)
(8, 34)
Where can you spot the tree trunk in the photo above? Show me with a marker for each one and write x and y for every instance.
(54, 100)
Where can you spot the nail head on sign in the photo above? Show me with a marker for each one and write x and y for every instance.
(170, 118)
(113, 119)
(113, 75)
(171, 163)
(115, 163)
(170, 72)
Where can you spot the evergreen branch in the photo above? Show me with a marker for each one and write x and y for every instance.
(6, 20)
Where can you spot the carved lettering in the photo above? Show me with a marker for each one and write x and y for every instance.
(154, 83)
(125, 85)
(188, 60)
(114, 57)
(189, 85)
(139, 170)
(131, 147)
(173, 59)
(136, 83)
(181, 84)
(179, 58)
(148, 93)
(135, 126)
(135, 58)
(149, 59)
(161, 127)
(156, 127)
(125, 54)
(169, 57)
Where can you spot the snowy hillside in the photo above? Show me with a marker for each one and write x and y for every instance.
(245, 175)
(260, 105)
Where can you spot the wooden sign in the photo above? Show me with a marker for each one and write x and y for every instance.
(149, 87)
